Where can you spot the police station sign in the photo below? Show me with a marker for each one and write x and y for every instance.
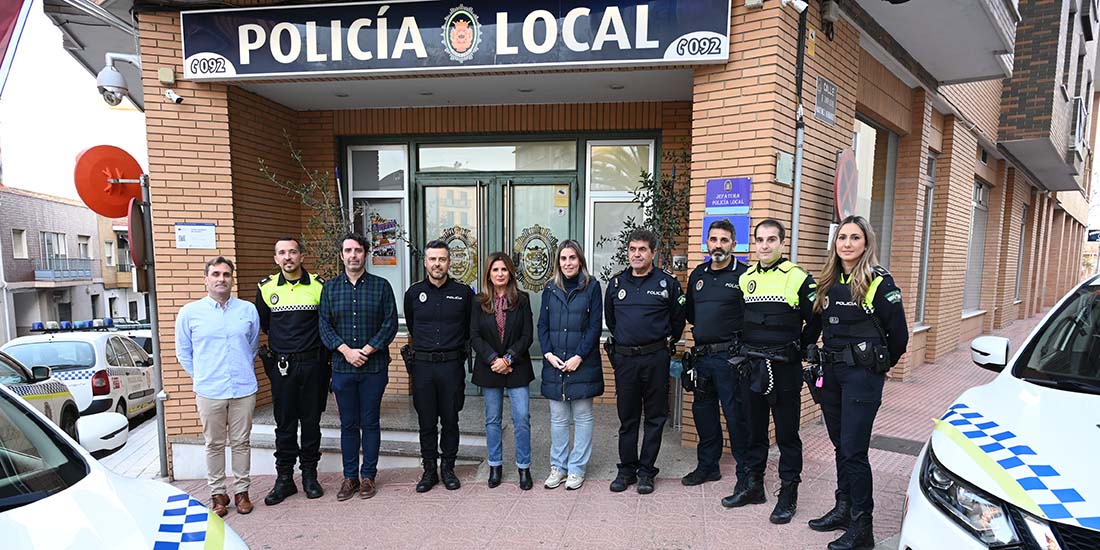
(422, 36)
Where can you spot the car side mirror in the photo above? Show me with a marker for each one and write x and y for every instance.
(40, 373)
(990, 352)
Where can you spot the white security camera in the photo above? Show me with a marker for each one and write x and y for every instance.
(798, 5)
(173, 96)
(109, 82)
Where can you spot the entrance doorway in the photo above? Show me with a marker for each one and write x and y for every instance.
(523, 216)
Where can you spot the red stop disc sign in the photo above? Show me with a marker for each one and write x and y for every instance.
(846, 184)
(94, 167)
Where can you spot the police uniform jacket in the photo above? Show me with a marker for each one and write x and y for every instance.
(288, 312)
(779, 304)
(570, 323)
(644, 310)
(487, 344)
(846, 322)
(438, 318)
(715, 306)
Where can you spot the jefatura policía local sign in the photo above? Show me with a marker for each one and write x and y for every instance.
(427, 36)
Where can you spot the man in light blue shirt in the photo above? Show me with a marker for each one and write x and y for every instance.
(216, 341)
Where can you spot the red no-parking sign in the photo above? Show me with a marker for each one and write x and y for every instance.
(846, 184)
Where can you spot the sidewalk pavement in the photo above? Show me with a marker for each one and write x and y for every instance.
(674, 517)
(140, 457)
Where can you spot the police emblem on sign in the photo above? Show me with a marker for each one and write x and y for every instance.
(622, 293)
(461, 34)
(752, 287)
(463, 246)
(274, 299)
(534, 256)
(423, 297)
(699, 285)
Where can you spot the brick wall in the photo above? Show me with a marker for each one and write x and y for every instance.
(36, 213)
(979, 102)
(1028, 98)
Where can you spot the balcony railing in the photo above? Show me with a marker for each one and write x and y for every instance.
(63, 269)
(1080, 125)
(125, 268)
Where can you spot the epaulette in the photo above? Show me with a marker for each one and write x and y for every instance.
(317, 278)
(265, 280)
(881, 271)
(790, 266)
(668, 272)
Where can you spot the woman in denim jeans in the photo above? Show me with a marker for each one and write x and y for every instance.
(569, 333)
(500, 333)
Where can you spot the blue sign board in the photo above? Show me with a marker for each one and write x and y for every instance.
(728, 193)
(450, 36)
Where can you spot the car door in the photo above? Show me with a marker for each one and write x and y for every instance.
(121, 371)
(141, 384)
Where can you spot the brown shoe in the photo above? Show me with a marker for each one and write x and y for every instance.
(367, 489)
(220, 505)
(349, 488)
(243, 504)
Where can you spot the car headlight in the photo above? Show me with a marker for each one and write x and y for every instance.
(983, 515)
(1040, 529)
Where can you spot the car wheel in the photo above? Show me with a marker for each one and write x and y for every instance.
(121, 408)
(68, 423)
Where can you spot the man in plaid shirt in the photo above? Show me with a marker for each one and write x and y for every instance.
(358, 317)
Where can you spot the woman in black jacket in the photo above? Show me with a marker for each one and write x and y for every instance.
(501, 332)
(569, 331)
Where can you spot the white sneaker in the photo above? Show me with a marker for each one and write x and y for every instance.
(574, 482)
(555, 478)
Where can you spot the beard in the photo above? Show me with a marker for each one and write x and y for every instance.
(719, 256)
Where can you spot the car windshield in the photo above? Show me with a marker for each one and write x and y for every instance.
(34, 462)
(1065, 352)
(58, 355)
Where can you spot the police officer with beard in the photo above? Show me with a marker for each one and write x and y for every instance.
(437, 313)
(643, 308)
(715, 311)
(297, 365)
(779, 324)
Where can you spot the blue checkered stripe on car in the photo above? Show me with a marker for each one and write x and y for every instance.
(41, 388)
(1051, 491)
(79, 374)
(183, 524)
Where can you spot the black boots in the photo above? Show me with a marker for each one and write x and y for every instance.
(310, 484)
(834, 519)
(786, 504)
(450, 480)
(752, 492)
(429, 479)
(699, 476)
(622, 481)
(859, 535)
(495, 473)
(284, 487)
(525, 481)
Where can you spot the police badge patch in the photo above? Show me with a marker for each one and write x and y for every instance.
(274, 299)
(894, 296)
(699, 285)
(664, 283)
(622, 293)
(752, 287)
(423, 297)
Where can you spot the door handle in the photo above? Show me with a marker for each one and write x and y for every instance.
(509, 205)
(480, 216)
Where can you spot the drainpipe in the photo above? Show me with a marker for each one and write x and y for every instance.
(799, 135)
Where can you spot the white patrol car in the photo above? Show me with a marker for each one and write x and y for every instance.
(1014, 463)
(105, 371)
(53, 494)
(42, 391)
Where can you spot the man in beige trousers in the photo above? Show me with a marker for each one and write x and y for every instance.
(216, 341)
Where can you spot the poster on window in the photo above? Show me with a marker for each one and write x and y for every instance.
(383, 233)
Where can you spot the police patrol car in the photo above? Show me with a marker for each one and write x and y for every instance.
(53, 494)
(1013, 463)
(105, 371)
(42, 391)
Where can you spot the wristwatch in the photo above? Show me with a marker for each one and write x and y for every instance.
(508, 358)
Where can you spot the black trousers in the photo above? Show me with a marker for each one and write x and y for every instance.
(298, 398)
(786, 412)
(850, 398)
(641, 385)
(438, 395)
(723, 388)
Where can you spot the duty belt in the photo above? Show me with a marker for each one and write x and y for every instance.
(282, 360)
(715, 348)
(438, 356)
(842, 357)
(643, 349)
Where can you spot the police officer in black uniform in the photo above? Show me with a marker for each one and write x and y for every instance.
(715, 311)
(297, 365)
(865, 335)
(437, 313)
(644, 310)
(779, 325)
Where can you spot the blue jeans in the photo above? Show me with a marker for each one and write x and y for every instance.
(359, 398)
(575, 461)
(521, 420)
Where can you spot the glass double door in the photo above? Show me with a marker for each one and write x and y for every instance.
(523, 216)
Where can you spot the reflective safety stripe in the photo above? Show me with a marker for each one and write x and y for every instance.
(215, 533)
(46, 396)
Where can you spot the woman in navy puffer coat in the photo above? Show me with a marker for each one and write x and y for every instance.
(570, 324)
